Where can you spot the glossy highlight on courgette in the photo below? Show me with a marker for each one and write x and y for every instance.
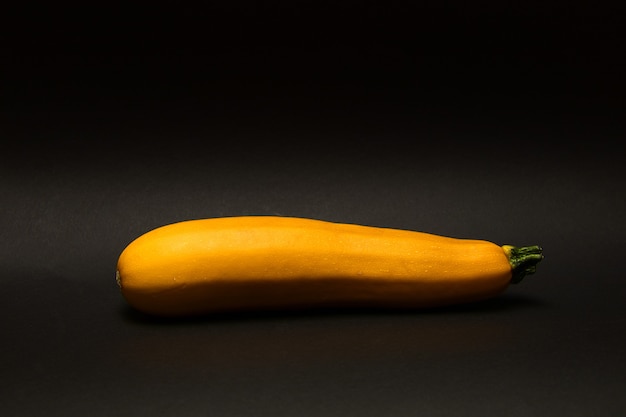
(248, 263)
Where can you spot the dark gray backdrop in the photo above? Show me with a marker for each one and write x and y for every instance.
(485, 121)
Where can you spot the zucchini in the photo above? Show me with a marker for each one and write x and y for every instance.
(268, 263)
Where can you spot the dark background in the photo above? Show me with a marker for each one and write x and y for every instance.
(485, 120)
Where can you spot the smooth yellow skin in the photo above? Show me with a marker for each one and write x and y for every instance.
(266, 262)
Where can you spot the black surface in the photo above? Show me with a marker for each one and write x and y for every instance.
(485, 121)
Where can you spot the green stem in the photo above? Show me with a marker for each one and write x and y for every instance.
(523, 260)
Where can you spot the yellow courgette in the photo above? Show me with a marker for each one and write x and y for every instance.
(268, 262)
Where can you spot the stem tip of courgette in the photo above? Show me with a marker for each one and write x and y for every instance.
(523, 260)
